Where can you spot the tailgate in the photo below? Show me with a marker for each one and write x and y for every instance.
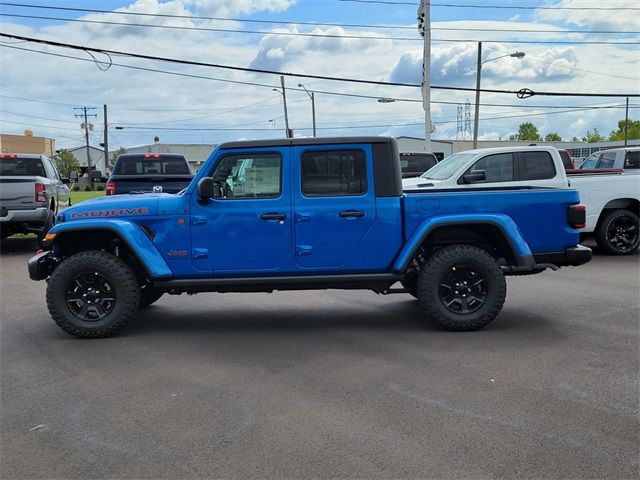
(143, 183)
(17, 193)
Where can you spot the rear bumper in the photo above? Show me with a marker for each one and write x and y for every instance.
(573, 257)
(37, 215)
(41, 265)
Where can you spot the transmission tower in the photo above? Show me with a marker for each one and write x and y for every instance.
(459, 125)
(467, 120)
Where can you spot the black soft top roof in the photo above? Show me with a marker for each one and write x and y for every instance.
(292, 142)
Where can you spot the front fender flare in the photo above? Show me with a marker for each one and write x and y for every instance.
(130, 233)
(504, 223)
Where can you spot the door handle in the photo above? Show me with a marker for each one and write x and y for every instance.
(273, 216)
(351, 214)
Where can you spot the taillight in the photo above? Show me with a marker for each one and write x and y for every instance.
(8, 155)
(110, 188)
(41, 193)
(577, 216)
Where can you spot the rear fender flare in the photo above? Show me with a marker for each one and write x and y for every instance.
(130, 233)
(504, 223)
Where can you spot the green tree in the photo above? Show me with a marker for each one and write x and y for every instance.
(633, 132)
(527, 132)
(593, 137)
(552, 137)
(66, 163)
(115, 156)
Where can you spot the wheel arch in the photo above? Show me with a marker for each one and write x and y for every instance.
(498, 231)
(631, 204)
(70, 238)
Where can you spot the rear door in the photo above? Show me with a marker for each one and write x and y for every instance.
(334, 203)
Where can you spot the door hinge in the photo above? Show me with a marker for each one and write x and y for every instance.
(303, 250)
(200, 253)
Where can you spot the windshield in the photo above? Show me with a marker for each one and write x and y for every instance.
(447, 167)
(22, 167)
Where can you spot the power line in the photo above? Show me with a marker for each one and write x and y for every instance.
(316, 35)
(498, 7)
(522, 93)
(293, 22)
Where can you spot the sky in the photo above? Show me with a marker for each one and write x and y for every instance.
(39, 91)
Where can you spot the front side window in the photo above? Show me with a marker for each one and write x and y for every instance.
(536, 166)
(632, 159)
(498, 168)
(252, 175)
(328, 173)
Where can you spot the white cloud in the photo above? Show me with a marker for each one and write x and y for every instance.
(620, 20)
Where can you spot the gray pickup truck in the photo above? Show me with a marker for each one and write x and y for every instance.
(31, 192)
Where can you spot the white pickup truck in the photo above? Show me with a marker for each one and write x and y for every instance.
(612, 198)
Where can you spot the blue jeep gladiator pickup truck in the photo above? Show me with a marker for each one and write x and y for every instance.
(297, 214)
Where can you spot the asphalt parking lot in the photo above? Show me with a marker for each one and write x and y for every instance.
(327, 384)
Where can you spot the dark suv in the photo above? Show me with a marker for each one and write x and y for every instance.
(149, 172)
(415, 164)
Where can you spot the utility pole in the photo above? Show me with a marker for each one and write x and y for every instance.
(626, 124)
(86, 126)
(476, 112)
(106, 139)
(424, 27)
(284, 101)
(313, 106)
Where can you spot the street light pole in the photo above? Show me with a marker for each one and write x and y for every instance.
(284, 101)
(424, 27)
(313, 106)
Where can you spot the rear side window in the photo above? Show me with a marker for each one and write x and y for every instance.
(498, 168)
(536, 166)
(607, 160)
(151, 165)
(330, 173)
(417, 163)
(22, 167)
(632, 160)
(566, 159)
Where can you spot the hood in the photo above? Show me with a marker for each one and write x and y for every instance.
(419, 183)
(117, 206)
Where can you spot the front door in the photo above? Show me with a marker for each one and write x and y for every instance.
(334, 203)
(246, 226)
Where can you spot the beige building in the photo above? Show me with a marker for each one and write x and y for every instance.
(27, 143)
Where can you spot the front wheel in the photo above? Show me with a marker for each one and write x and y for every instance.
(461, 287)
(617, 232)
(92, 294)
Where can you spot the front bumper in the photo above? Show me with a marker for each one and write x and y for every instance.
(572, 256)
(42, 265)
(37, 215)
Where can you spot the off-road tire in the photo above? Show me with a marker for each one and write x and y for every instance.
(607, 222)
(47, 226)
(148, 296)
(438, 270)
(112, 269)
(411, 286)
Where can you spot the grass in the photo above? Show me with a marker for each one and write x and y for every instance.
(77, 197)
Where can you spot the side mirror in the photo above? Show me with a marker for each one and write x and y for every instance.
(206, 188)
(73, 177)
(475, 176)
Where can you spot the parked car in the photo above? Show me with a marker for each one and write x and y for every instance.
(313, 213)
(149, 172)
(415, 164)
(611, 197)
(31, 193)
(626, 158)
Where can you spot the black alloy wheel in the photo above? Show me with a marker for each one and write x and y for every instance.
(463, 289)
(618, 233)
(90, 297)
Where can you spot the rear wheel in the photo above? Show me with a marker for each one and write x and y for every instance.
(92, 294)
(617, 232)
(461, 287)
